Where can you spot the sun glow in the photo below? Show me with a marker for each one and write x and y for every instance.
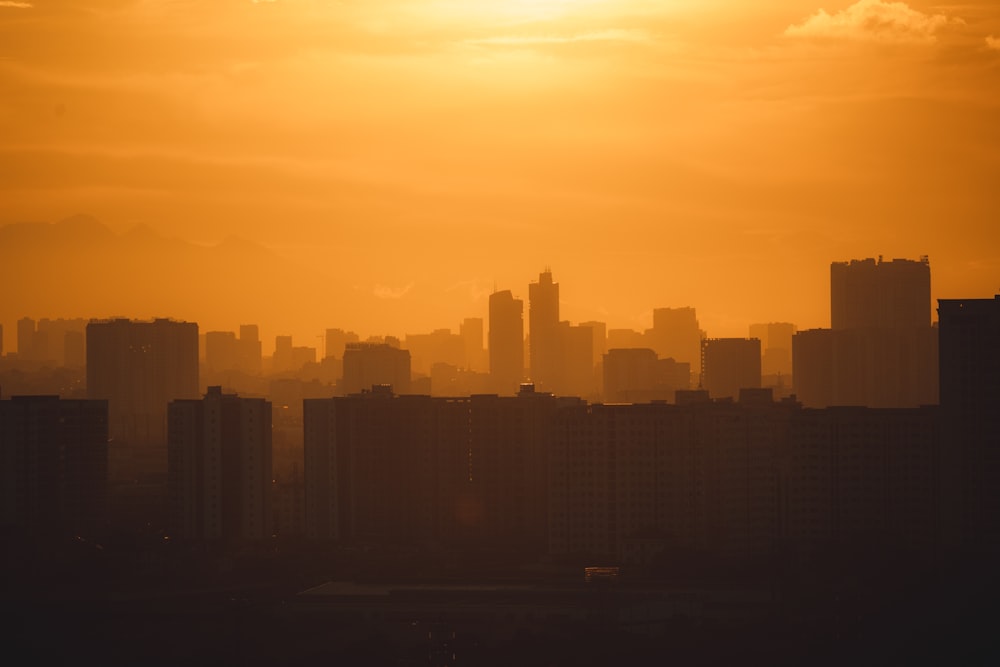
(514, 10)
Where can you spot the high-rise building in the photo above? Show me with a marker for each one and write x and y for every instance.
(776, 346)
(630, 375)
(600, 336)
(221, 351)
(418, 470)
(249, 349)
(471, 331)
(730, 364)
(53, 465)
(370, 364)
(220, 478)
(676, 334)
(439, 346)
(506, 342)
(970, 355)
(26, 338)
(881, 351)
(139, 367)
(970, 403)
(576, 357)
(637, 375)
(865, 293)
(543, 332)
(337, 340)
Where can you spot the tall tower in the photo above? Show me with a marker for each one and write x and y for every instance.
(506, 341)
(543, 332)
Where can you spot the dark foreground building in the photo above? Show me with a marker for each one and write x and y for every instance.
(53, 465)
(220, 478)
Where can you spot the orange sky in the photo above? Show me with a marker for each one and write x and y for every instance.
(716, 153)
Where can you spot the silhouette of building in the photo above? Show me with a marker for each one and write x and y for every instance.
(337, 340)
(249, 346)
(506, 342)
(289, 358)
(220, 468)
(545, 354)
(600, 340)
(440, 345)
(626, 339)
(576, 347)
(415, 470)
(471, 331)
(54, 470)
(730, 364)
(222, 352)
(56, 342)
(637, 375)
(882, 350)
(26, 338)
(369, 364)
(864, 481)
(139, 367)
(776, 347)
(970, 396)
(865, 293)
(693, 478)
(677, 335)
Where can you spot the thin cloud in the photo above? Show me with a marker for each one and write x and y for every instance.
(16, 5)
(993, 43)
(873, 21)
(385, 292)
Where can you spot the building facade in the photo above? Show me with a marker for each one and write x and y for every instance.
(220, 480)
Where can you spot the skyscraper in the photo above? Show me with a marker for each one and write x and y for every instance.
(506, 342)
(367, 364)
(249, 349)
(730, 364)
(53, 464)
(139, 367)
(865, 293)
(471, 331)
(970, 396)
(220, 468)
(543, 332)
(881, 350)
(676, 334)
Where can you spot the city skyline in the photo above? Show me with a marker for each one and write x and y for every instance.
(178, 306)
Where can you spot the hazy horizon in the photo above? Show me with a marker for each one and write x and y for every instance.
(389, 163)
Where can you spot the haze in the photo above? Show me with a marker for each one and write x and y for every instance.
(383, 165)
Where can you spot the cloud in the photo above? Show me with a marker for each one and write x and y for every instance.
(16, 5)
(993, 43)
(873, 21)
(384, 292)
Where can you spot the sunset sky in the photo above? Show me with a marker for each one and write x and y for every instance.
(712, 153)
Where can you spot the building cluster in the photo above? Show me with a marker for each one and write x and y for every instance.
(696, 443)
(558, 476)
(881, 349)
